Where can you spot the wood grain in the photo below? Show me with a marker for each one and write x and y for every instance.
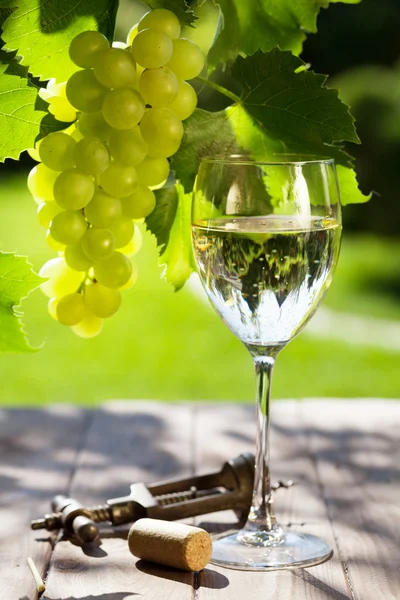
(343, 455)
(223, 431)
(37, 459)
(357, 454)
(127, 442)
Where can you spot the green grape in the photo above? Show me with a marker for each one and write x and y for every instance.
(185, 102)
(53, 244)
(128, 147)
(34, 152)
(73, 190)
(113, 272)
(152, 49)
(98, 244)
(52, 307)
(153, 172)
(102, 301)
(137, 241)
(134, 245)
(187, 59)
(68, 226)
(118, 180)
(115, 68)
(122, 231)
(76, 258)
(71, 309)
(132, 33)
(84, 92)
(89, 327)
(103, 210)
(94, 125)
(41, 181)
(46, 212)
(131, 281)
(91, 156)
(123, 108)
(158, 87)
(163, 149)
(57, 151)
(85, 47)
(162, 130)
(140, 203)
(61, 279)
(161, 19)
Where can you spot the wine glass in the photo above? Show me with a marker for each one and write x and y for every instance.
(266, 239)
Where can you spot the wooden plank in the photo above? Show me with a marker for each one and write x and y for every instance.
(128, 442)
(225, 430)
(37, 458)
(357, 453)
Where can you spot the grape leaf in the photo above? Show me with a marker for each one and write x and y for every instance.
(19, 121)
(264, 24)
(177, 257)
(294, 107)
(179, 7)
(261, 147)
(41, 32)
(250, 137)
(206, 133)
(17, 280)
(160, 221)
(348, 186)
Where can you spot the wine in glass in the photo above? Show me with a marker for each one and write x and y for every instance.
(266, 239)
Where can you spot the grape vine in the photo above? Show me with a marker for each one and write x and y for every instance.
(117, 134)
(95, 180)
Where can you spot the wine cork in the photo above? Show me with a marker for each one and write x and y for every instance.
(172, 544)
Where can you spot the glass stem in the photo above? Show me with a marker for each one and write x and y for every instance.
(261, 516)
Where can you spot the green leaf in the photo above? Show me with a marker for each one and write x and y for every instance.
(251, 137)
(348, 186)
(265, 24)
(17, 280)
(160, 221)
(206, 134)
(19, 121)
(42, 31)
(260, 147)
(177, 257)
(179, 7)
(294, 108)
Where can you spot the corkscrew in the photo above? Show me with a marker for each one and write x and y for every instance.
(229, 488)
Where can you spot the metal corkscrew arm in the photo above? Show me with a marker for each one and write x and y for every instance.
(229, 488)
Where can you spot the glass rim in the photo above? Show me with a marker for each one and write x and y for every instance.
(243, 159)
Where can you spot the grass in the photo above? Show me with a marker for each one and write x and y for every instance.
(171, 346)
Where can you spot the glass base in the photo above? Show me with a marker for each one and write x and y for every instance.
(268, 551)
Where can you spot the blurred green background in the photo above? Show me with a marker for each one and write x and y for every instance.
(171, 346)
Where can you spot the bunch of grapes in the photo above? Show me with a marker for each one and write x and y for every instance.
(96, 178)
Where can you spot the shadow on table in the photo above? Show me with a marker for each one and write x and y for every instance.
(47, 441)
(207, 578)
(127, 446)
(325, 589)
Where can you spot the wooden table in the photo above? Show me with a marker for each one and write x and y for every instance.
(343, 455)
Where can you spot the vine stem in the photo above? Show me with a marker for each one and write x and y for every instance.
(220, 89)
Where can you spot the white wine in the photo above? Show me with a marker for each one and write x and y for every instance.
(266, 276)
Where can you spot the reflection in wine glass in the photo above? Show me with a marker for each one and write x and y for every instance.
(266, 239)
